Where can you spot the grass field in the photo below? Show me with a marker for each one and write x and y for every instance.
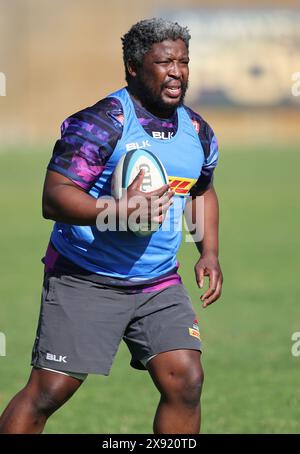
(252, 379)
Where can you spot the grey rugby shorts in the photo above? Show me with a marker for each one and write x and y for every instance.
(82, 323)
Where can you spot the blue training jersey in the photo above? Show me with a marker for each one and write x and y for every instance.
(123, 254)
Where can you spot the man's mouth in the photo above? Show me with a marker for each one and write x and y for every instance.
(173, 91)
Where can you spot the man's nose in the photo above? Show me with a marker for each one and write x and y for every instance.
(174, 70)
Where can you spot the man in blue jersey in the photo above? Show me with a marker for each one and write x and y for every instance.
(104, 286)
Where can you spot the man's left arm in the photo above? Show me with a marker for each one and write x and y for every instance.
(204, 215)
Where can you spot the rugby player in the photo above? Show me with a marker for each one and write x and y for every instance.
(104, 286)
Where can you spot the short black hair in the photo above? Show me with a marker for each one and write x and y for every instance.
(139, 39)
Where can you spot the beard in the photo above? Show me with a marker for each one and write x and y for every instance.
(153, 101)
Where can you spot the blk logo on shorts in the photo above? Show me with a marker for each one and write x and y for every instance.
(57, 358)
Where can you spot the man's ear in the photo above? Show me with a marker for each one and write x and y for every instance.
(131, 68)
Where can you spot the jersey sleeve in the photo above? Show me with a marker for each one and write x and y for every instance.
(88, 138)
(211, 153)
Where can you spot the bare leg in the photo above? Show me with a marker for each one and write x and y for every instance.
(29, 410)
(178, 375)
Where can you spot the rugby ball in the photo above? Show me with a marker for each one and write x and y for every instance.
(127, 169)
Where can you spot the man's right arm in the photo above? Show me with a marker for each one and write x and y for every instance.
(66, 202)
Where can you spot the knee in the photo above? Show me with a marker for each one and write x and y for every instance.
(47, 402)
(185, 385)
(48, 391)
(49, 397)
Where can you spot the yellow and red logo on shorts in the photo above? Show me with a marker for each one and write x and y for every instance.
(194, 333)
(181, 186)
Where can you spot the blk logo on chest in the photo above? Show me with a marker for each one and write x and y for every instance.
(162, 135)
(138, 145)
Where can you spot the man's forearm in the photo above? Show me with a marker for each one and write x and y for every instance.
(208, 264)
(63, 201)
(210, 242)
(70, 205)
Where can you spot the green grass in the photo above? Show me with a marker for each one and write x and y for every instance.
(252, 380)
